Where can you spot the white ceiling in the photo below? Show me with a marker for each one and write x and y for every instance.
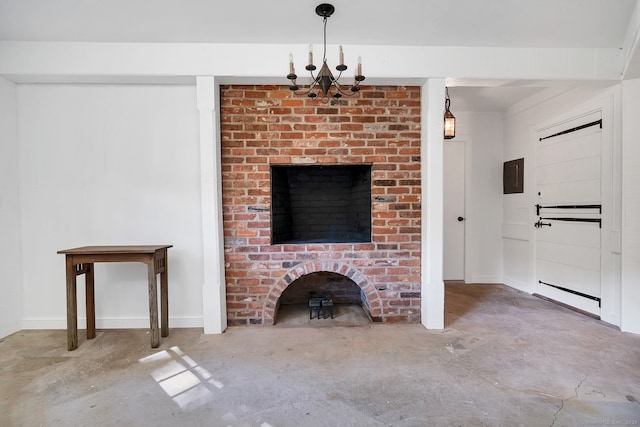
(494, 23)
(488, 98)
(475, 23)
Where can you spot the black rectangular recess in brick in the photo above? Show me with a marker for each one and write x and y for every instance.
(320, 204)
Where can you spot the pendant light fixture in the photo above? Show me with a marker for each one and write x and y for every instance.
(324, 84)
(449, 119)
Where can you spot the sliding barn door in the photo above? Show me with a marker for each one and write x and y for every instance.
(568, 213)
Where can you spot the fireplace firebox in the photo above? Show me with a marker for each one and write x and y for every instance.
(321, 204)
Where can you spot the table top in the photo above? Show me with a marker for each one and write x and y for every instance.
(108, 250)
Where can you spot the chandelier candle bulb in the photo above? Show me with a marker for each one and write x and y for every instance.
(310, 54)
(291, 69)
(359, 73)
(341, 56)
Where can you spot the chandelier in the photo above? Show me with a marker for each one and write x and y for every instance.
(324, 84)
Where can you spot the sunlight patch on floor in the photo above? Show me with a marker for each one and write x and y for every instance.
(186, 382)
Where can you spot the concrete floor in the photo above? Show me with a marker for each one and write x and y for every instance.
(504, 359)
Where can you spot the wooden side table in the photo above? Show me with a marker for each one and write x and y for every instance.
(80, 261)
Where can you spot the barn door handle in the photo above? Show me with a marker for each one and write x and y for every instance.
(539, 224)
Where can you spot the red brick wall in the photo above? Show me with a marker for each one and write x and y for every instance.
(265, 125)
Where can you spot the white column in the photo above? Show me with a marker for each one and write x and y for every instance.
(214, 307)
(432, 170)
(630, 288)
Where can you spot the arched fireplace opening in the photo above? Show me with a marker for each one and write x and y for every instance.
(323, 299)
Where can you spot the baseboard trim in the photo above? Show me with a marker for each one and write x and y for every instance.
(487, 279)
(112, 323)
(521, 286)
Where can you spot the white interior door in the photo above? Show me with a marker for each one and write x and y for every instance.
(569, 212)
(454, 219)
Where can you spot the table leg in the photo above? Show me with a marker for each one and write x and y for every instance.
(90, 301)
(153, 305)
(164, 298)
(72, 306)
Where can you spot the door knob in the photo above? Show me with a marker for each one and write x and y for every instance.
(460, 219)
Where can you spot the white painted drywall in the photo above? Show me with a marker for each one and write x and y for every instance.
(214, 288)
(432, 172)
(108, 164)
(10, 274)
(630, 292)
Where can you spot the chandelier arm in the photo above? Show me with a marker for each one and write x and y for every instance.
(340, 87)
(342, 92)
(309, 89)
(313, 78)
(337, 84)
(314, 83)
(356, 81)
(303, 91)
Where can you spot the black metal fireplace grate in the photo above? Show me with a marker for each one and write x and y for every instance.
(320, 306)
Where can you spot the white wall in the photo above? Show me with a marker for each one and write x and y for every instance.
(483, 201)
(108, 164)
(520, 124)
(10, 280)
(631, 207)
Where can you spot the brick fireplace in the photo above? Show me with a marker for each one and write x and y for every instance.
(265, 129)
